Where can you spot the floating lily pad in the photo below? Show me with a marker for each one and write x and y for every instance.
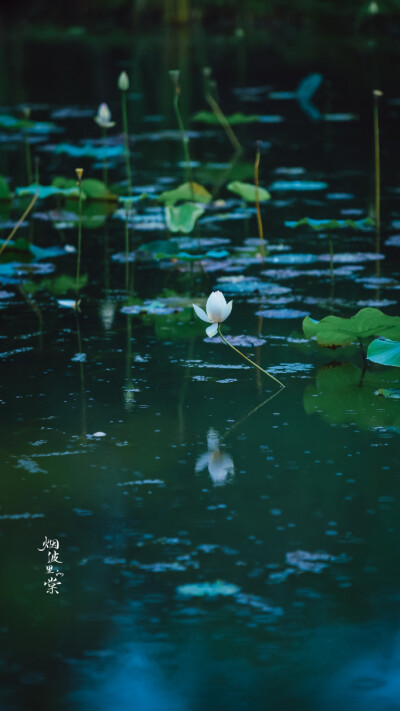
(291, 258)
(90, 150)
(183, 218)
(239, 341)
(333, 331)
(248, 192)
(388, 393)
(327, 225)
(242, 285)
(234, 120)
(185, 192)
(11, 123)
(59, 285)
(281, 313)
(385, 352)
(45, 191)
(298, 185)
(209, 590)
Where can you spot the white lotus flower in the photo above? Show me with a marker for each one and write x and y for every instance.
(103, 117)
(219, 464)
(217, 310)
(123, 81)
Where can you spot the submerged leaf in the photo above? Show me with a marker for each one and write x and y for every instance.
(248, 192)
(385, 352)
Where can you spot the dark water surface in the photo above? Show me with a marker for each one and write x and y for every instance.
(141, 448)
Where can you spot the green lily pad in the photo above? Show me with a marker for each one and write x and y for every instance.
(10, 123)
(185, 192)
(90, 151)
(234, 120)
(385, 352)
(327, 225)
(183, 218)
(298, 185)
(334, 331)
(248, 192)
(388, 393)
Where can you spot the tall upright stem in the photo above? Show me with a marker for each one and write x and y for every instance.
(126, 141)
(248, 359)
(78, 260)
(105, 161)
(185, 140)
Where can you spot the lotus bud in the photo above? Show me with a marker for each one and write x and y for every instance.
(123, 81)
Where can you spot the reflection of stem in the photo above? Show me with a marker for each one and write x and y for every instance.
(126, 141)
(224, 177)
(377, 94)
(248, 359)
(105, 163)
(185, 140)
(36, 310)
(82, 379)
(182, 396)
(258, 407)
(259, 221)
(20, 221)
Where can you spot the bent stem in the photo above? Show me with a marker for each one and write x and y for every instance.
(20, 221)
(248, 359)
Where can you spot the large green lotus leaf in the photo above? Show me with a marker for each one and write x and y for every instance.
(160, 248)
(248, 192)
(4, 189)
(327, 225)
(341, 395)
(182, 218)
(46, 191)
(96, 190)
(64, 183)
(186, 191)
(334, 331)
(385, 352)
(234, 120)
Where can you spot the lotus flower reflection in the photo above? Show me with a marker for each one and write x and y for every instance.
(217, 310)
(219, 464)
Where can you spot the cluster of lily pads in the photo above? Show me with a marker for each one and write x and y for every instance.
(89, 202)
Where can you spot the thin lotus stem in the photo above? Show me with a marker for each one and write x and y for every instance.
(126, 141)
(218, 113)
(248, 359)
(126, 251)
(20, 221)
(105, 163)
(377, 95)
(28, 159)
(78, 261)
(331, 257)
(259, 221)
(185, 140)
(82, 381)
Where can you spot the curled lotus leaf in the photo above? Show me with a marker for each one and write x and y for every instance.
(384, 351)
(186, 192)
(248, 191)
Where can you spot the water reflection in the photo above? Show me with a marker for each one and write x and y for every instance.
(219, 464)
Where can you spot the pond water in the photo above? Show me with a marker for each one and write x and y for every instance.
(222, 544)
